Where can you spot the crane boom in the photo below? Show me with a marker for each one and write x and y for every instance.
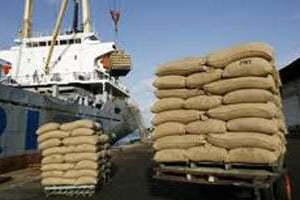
(55, 33)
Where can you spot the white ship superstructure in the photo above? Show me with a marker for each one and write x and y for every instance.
(80, 67)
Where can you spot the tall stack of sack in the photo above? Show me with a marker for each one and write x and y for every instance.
(225, 107)
(74, 153)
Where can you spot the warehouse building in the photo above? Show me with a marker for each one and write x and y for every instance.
(290, 77)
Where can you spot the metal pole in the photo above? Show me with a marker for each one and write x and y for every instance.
(26, 33)
(55, 33)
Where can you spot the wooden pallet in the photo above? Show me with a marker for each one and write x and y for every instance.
(71, 191)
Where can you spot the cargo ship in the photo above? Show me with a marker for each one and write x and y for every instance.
(60, 77)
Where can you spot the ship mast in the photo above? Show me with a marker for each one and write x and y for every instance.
(27, 20)
(86, 14)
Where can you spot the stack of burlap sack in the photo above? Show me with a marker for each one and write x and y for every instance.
(75, 153)
(225, 107)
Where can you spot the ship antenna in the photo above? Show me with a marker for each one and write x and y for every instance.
(75, 17)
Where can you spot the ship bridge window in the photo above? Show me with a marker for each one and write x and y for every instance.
(42, 44)
(63, 42)
(29, 45)
(35, 44)
(78, 41)
(71, 41)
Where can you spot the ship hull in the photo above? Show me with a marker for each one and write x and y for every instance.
(22, 112)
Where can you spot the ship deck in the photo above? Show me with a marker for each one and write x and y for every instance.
(131, 180)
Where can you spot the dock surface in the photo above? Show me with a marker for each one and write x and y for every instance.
(132, 180)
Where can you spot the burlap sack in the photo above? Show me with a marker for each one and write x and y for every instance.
(178, 93)
(223, 57)
(182, 67)
(50, 143)
(281, 125)
(277, 100)
(248, 67)
(169, 82)
(76, 157)
(56, 173)
(57, 166)
(167, 129)
(227, 85)
(260, 110)
(167, 104)
(86, 180)
(94, 139)
(251, 155)
(82, 132)
(59, 134)
(47, 127)
(58, 181)
(203, 102)
(206, 152)
(248, 96)
(83, 123)
(106, 146)
(233, 140)
(197, 80)
(80, 173)
(170, 155)
(205, 127)
(179, 142)
(181, 116)
(261, 125)
(55, 158)
(56, 150)
(86, 164)
(103, 139)
(85, 148)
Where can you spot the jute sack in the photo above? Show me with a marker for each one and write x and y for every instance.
(82, 132)
(178, 93)
(47, 127)
(167, 104)
(57, 166)
(80, 173)
(233, 140)
(50, 143)
(94, 139)
(227, 85)
(206, 152)
(59, 134)
(223, 57)
(228, 112)
(169, 82)
(248, 96)
(170, 155)
(181, 116)
(85, 148)
(179, 142)
(56, 158)
(251, 155)
(261, 125)
(282, 126)
(56, 173)
(86, 180)
(183, 67)
(83, 123)
(76, 157)
(205, 127)
(167, 129)
(197, 80)
(86, 164)
(277, 100)
(203, 102)
(103, 138)
(58, 181)
(56, 150)
(248, 67)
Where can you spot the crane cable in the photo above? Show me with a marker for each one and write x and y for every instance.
(115, 13)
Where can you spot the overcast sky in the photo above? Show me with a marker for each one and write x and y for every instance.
(156, 31)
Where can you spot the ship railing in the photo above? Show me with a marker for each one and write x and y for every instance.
(69, 77)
